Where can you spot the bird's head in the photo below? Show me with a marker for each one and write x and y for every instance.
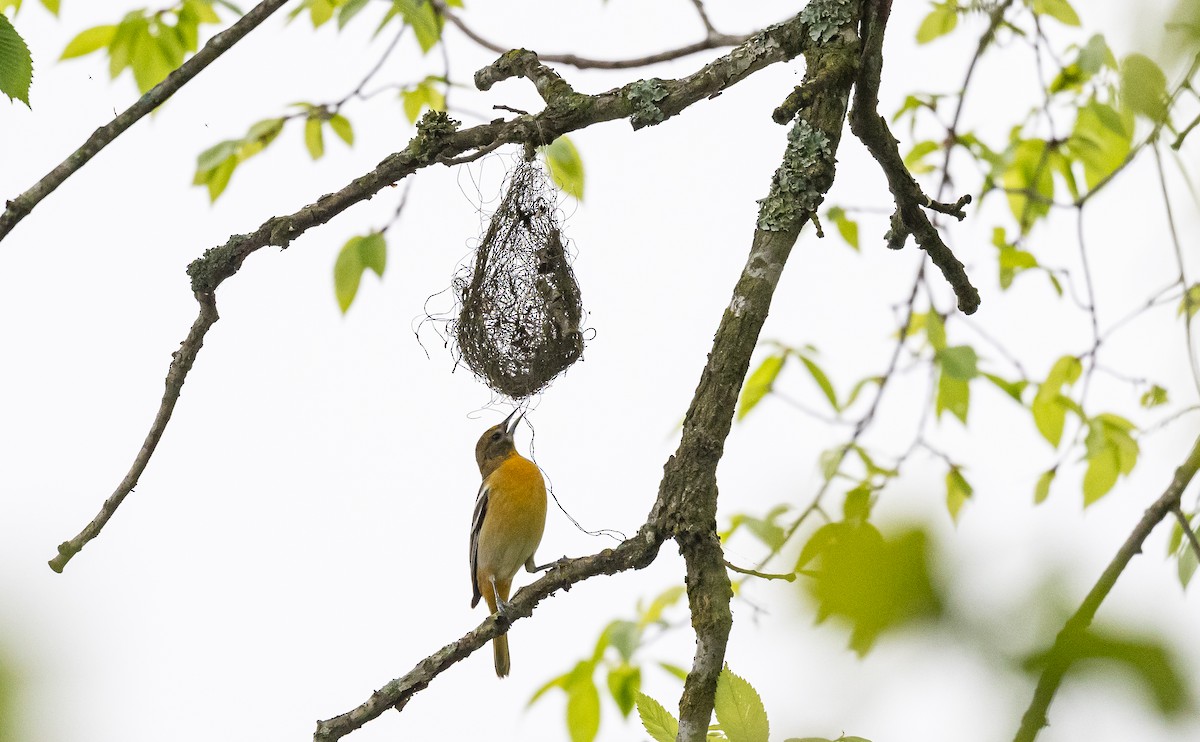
(496, 443)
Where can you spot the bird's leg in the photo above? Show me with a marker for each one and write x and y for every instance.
(502, 605)
(534, 568)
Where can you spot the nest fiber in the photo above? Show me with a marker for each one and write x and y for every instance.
(519, 323)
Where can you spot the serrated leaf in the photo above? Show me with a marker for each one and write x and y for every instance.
(1042, 489)
(658, 723)
(739, 709)
(940, 21)
(314, 138)
(759, 383)
(341, 126)
(958, 491)
(16, 64)
(88, 41)
(565, 166)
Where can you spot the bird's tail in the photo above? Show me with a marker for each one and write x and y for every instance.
(500, 652)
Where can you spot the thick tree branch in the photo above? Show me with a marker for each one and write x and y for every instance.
(1058, 659)
(872, 129)
(181, 363)
(16, 209)
(712, 41)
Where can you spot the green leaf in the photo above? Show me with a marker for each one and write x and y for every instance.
(426, 24)
(314, 139)
(1154, 396)
(679, 673)
(664, 600)
(1042, 490)
(935, 330)
(1186, 565)
(822, 380)
(659, 724)
(320, 11)
(1060, 10)
(1101, 140)
(565, 165)
(583, 709)
(358, 254)
(958, 491)
(1029, 182)
(759, 383)
(624, 681)
(941, 20)
(16, 64)
(1101, 475)
(218, 178)
(88, 41)
(915, 159)
(1190, 302)
(1143, 87)
(739, 709)
(960, 362)
(953, 394)
(625, 637)
(559, 682)
(1013, 389)
(348, 10)
(1049, 406)
(846, 227)
(341, 126)
(51, 5)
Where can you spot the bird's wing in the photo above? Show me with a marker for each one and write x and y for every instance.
(481, 503)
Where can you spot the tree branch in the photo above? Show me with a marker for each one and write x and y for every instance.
(181, 363)
(16, 209)
(872, 129)
(633, 553)
(438, 139)
(1058, 659)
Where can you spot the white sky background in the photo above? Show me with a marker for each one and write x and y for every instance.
(300, 536)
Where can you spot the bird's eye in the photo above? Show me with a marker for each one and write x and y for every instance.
(496, 436)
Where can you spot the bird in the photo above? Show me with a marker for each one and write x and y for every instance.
(507, 526)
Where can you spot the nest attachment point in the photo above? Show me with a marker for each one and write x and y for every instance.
(519, 322)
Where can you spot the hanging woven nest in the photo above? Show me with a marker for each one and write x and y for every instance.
(519, 323)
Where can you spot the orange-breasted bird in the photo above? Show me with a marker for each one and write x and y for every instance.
(510, 515)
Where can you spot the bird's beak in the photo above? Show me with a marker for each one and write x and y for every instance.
(512, 421)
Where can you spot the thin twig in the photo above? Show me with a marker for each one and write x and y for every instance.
(790, 577)
(181, 363)
(1058, 659)
(713, 41)
(708, 26)
(1189, 307)
(1188, 533)
(16, 209)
